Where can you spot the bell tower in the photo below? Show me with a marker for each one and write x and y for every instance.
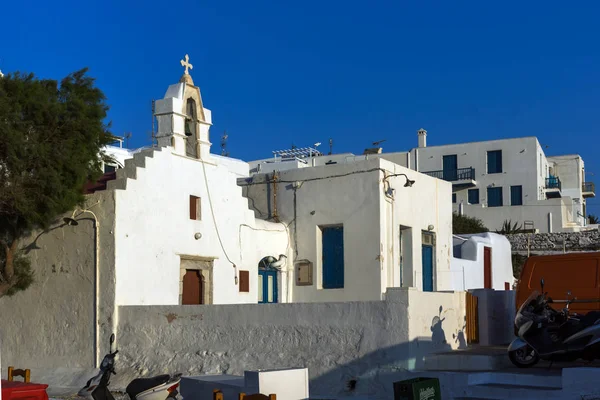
(183, 122)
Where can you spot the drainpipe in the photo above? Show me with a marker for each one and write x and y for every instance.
(96, 289)
(275, 216)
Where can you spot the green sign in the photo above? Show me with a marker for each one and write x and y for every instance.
(418, 389)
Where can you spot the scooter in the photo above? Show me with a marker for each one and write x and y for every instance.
(160, 387)
(551, 335)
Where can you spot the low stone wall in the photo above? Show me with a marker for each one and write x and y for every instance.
(337, 342)
(556, 242)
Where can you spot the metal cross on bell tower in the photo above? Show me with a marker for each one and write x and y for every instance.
(186, 64)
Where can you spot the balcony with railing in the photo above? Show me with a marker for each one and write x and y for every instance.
(458, 177)
(553, 187)
(588, 189)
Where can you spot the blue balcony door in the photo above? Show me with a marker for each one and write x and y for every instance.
(427, 254)
(267, 286)
(450, 167)
(333, 257)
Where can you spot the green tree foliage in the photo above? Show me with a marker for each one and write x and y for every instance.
(51, 140)
(462, 224)
(593, 220)
(508, 228)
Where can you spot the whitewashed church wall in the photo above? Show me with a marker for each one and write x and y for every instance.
(154, 231)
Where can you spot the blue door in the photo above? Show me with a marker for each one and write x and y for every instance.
(450, 167)
(267, 286)
(427, 268)
(333, 257)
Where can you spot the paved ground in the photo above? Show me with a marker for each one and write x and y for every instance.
(543, 367)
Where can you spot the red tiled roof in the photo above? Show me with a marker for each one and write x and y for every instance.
(100, 184)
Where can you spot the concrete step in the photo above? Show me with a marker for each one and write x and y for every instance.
(541, 379)
(466, 361)
(513, 392)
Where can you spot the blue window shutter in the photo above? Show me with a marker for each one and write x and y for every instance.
(454, 197)
(494, 197)
(333, 257)
(473, 196)
(494, 159)
(516, 195)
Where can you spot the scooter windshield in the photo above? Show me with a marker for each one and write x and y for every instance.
(524, 315)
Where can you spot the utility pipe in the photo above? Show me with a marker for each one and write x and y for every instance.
(96, 286)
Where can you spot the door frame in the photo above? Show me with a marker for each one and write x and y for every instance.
(205, 266)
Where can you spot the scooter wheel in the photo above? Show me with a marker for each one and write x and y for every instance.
(524, 357)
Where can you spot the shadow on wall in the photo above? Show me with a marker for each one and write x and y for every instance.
(373, 374)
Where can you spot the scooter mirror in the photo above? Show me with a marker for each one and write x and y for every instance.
(112, 338)
(542, 284)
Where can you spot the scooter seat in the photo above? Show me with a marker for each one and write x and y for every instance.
(140, 385)
(589, 319)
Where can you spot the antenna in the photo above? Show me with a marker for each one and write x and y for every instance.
(379, 142)
(330, 146)
(127, 136)
(224, 138)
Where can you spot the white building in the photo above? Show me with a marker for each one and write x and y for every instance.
(508, 179)
(481, 261)
(358, 229)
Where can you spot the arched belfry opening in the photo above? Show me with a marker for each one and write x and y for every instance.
(191, 129)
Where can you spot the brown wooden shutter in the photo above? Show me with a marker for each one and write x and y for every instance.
(193, 202)
(244, 281)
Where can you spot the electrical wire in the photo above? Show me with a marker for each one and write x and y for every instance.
(316, 179)
(212, 211)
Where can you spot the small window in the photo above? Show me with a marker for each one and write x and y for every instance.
(195, 213)
(453, 197)
(473, 196)
(516, 195)
(494, 162)
(333, 257)
(109, 168)
(244, 281)
(494, 195)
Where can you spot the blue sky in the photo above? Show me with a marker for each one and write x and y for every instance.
(280, 72)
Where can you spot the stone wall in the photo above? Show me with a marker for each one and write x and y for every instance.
(556, 242)
(337, 342)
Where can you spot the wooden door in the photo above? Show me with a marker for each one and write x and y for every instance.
(472, 320)
(268, 292)
(193, 285)
(450, 167)
(333, 257)
(427, 260)
(487, 268)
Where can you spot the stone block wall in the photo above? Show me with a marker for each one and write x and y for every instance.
(556, 242)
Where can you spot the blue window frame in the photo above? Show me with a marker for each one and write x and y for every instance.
(333, 257)
(473, 196)
(516, 195)
(494, 195)
(454, 197)
(494, 162)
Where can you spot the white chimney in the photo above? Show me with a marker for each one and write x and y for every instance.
(422, 137)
